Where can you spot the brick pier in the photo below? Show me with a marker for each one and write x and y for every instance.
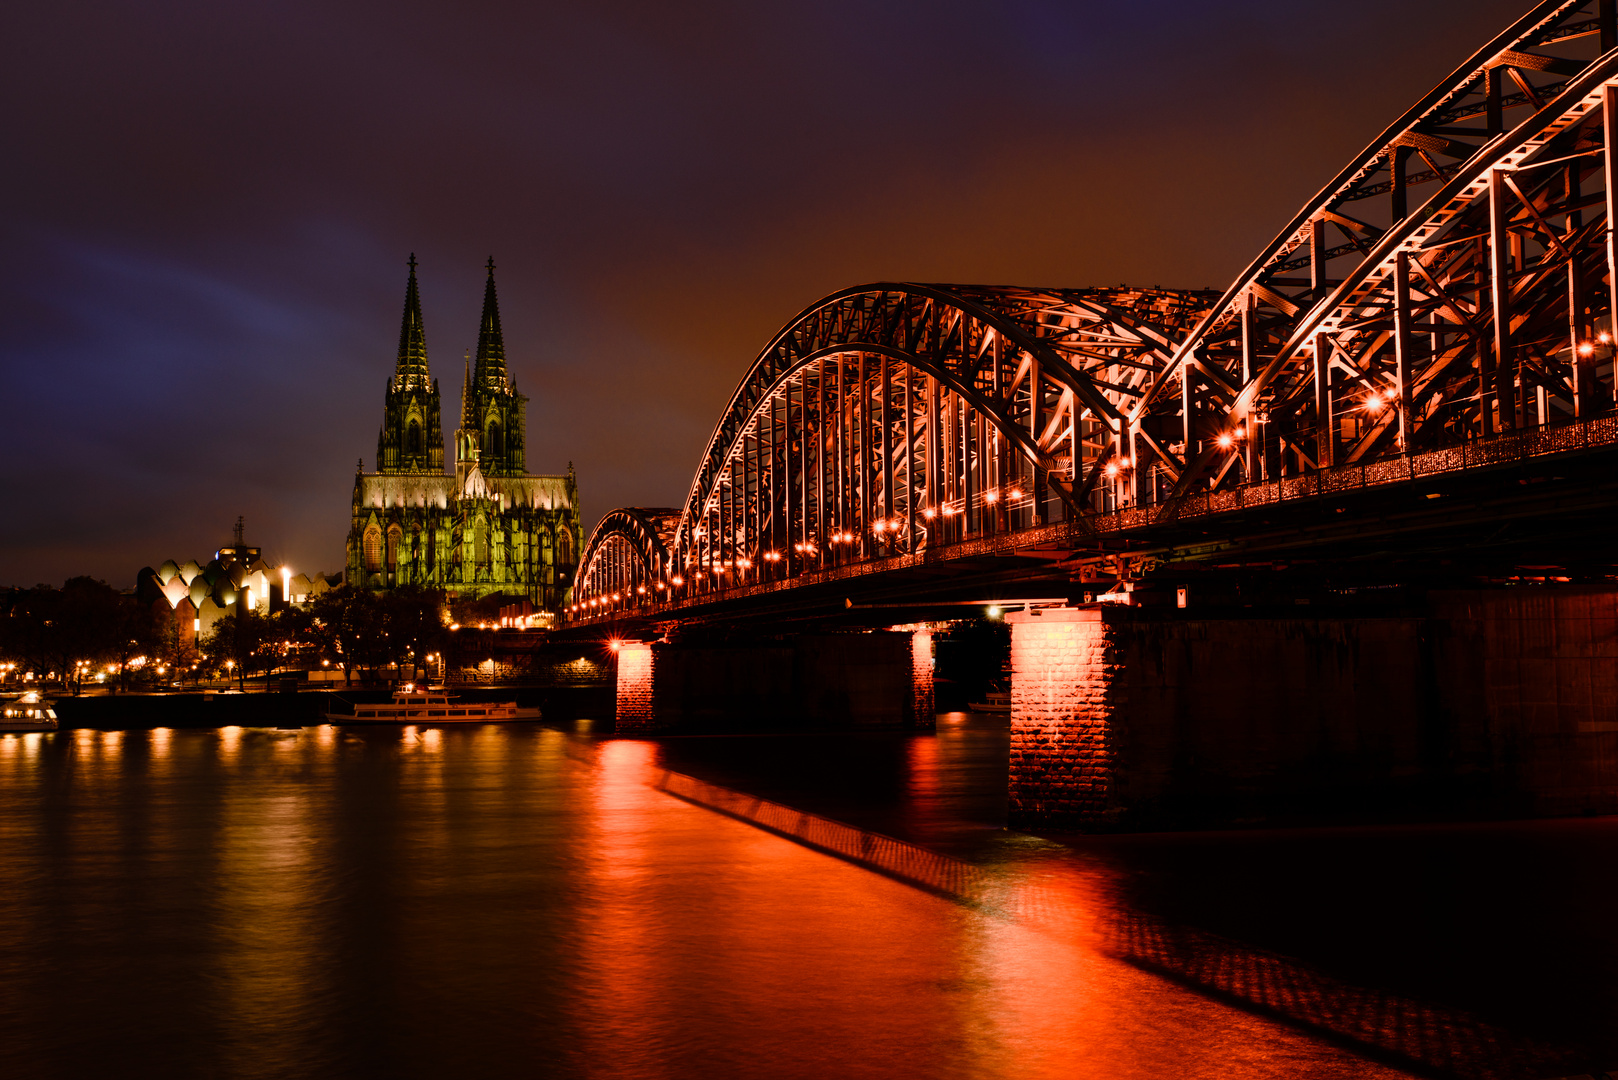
(1067, 697)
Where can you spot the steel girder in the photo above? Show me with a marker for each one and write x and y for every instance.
(889, 416)
(626, 557)
(1367, 327)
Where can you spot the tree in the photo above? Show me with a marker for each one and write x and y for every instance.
(343, 625)
(236, 641)
(412, 624)
(68, 631)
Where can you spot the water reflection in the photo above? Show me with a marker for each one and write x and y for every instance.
(500, 900)
(267, 940)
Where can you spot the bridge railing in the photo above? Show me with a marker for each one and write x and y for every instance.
(1600, 433)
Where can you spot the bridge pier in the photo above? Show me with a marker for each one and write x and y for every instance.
(1455, 702)
(861, 680)
(1068, 700)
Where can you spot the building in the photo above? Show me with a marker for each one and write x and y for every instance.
(192, 596)
(490, 526)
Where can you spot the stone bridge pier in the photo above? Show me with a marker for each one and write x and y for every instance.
(1461, 702)
(881, 678)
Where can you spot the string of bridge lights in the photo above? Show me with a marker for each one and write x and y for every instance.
(839, 540)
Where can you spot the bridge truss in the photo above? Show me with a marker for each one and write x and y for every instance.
(1454, 283)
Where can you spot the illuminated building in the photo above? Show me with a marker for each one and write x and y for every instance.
(193, 596)
(488, 527)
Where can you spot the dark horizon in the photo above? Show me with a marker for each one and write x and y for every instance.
(208, 227)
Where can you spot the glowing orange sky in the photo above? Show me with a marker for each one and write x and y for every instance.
(208, 210)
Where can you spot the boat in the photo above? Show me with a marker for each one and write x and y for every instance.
(413, 705)
(28, 712)
(995, 701)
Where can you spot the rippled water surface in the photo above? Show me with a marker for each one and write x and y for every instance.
(516, 900)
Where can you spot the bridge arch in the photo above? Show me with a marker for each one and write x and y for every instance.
(1278, 377)
(1457, 280)
(626, 560)
(890, 416)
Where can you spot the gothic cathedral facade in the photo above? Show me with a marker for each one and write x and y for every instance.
(489, 527)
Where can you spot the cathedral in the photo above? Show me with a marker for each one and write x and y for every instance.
(488, 527)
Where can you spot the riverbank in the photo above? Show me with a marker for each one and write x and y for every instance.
(200, 709)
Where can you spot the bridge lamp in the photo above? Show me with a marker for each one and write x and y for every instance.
(994, 611)
(1586, 349)
(928, 513)
(1112, 469)
(1373, 403)
(615, 644)
(1224, 441)
(1016, 493)
(991, 496)
(678, 580)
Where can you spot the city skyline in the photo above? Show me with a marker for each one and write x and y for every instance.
(206, 245)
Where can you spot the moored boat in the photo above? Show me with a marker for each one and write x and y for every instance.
(29, 712)
(412, 705)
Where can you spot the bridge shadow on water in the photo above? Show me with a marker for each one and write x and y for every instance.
(1400, 1031)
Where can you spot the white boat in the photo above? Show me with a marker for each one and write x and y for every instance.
(411, 705)
(29, 712)
(996, 701)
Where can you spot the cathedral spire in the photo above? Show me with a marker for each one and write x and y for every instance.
(412, 335)
(410, 440)
(491, 359)
(468, 414)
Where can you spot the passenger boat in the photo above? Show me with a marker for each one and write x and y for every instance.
(411, 705)
(29, 712)
(995, 701)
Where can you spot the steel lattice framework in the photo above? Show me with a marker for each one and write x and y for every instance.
(628, 554)
(1454, 283)
(1372, 324)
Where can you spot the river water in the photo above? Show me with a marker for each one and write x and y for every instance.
(509, 900)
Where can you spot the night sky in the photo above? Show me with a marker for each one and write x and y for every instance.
(207, 210)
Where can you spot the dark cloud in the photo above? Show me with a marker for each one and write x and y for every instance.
(207, 207)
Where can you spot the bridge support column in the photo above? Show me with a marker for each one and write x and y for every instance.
(1067, 702)
(635, 704)
(923, 710)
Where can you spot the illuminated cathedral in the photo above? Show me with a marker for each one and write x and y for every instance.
(488, 527)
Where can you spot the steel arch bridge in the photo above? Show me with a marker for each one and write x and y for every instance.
(1450, 290)
(627, 555)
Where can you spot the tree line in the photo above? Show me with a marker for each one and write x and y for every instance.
(87, 628)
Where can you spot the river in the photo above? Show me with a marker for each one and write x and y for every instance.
(505, 900)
